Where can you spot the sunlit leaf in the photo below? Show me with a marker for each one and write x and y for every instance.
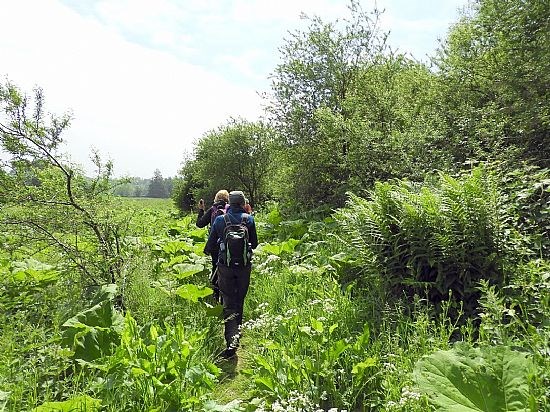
(317, 325)
(359, 368)
(337, 349)
(475, 379)
(265, 383)
(193, 292)
(185, 270)
(272, 249)
(80, 403)
(176, 246)
(94, 332)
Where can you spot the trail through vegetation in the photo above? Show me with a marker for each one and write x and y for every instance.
(403, 213)
(323, 329)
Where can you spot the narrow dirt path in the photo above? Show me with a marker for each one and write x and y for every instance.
(234, 384)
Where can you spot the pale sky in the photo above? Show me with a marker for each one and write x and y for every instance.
(143, 79)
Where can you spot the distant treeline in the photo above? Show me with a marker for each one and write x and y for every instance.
(157, 186)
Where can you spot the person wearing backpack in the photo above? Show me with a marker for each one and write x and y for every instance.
(232, 237)
(207, 217)
(218, 208)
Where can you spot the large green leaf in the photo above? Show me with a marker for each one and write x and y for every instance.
(197, 234)
(272, 248)
(177, 246)
(274, 217)
(289, 245)
(278, 249)
(184, 270)
(467, 379)
(34, 271)
(94, 332)
(78, 404)
(193, 292)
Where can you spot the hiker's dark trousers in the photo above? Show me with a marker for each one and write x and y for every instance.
(233, 284)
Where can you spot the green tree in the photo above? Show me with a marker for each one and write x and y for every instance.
(45, 200)
(123, 187)
(157, 186)
(495, 71)
(234, 156)
(318, 71)
(391, 124)
(352, 112)
(169, 185)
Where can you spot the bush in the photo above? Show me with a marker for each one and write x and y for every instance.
(435, 240)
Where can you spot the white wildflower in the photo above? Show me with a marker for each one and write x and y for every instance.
(291, 312)
(389, 366)
(407, 395)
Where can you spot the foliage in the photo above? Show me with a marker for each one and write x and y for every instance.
(46, 199)
(236, 156)
(157, 186)
(94, 332)
(79, 403)
(303, 345)
(321, 344)
(33, 303)
(526, 198)
(494, 68)
(517, 315)
(323, 330)
(139, 187)
(23, 281)
(186, 185)
(163, 364)
(389, 123)
(309, 342)
(437, 240)
(476, 379)
(318, 69)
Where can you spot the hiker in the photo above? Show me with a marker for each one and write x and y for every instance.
(232, 238)
(220, 201)
(204, 219)
(247, 207)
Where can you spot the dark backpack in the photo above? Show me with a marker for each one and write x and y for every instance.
(216, 211)
(234, 246)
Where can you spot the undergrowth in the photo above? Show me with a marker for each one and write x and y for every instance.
(353, 311)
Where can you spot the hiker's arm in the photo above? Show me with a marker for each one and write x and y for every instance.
(203, 219)
(212, 242)
(252, 235)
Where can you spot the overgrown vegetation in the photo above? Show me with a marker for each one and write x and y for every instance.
(404, 228)
(348, 111)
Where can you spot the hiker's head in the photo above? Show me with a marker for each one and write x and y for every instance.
(222, 195)
(236, 198)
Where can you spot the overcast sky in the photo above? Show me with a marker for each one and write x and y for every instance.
(143, 79)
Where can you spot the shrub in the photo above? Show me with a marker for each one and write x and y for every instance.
(438, 240)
